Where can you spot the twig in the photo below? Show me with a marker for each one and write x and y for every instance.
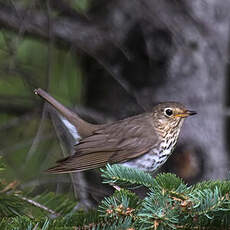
(36, 226)
(68, 31)
(38, 135)
(36, 204)
(116, 187)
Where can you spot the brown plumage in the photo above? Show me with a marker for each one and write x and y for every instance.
(144, 141)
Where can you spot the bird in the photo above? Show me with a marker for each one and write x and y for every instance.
(143, 141)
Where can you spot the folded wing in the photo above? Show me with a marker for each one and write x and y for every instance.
(113, 143)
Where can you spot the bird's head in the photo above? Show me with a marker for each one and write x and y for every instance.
(171, 114)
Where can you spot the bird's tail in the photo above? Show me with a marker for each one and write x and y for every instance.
(84, 128)
(61, 167)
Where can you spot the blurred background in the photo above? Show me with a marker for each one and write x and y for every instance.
(109, 59)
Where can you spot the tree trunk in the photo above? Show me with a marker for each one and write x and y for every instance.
(175, 51)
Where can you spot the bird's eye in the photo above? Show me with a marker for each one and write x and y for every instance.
(168, 112)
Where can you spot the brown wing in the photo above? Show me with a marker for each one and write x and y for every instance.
(114, 143)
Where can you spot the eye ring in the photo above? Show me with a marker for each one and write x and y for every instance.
(168, 112)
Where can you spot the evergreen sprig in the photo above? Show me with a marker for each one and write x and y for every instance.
(120, 205)
(168, 204)
(171, 204)
(124, 176)
(11, 205)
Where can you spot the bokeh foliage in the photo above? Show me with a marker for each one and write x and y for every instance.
(28, 140)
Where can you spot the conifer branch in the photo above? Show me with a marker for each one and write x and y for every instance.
(169, 204)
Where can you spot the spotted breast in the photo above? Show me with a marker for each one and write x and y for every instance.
(155, 158)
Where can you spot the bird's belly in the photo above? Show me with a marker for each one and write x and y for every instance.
(150, 161)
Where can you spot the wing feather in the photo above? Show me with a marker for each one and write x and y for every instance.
(111, 144)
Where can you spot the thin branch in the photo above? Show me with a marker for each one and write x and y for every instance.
(80, 34)
(71, 32)
(15, 109)
(64, 8)
(36, 204)
(36, 226)
(37, 138)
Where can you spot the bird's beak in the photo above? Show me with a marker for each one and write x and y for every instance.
(185, 113)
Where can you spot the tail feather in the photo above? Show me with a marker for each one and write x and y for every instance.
(84, 128)
(62, 160)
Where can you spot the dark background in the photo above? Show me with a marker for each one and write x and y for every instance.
(110, 59)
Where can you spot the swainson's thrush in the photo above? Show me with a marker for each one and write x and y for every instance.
(144, 141)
